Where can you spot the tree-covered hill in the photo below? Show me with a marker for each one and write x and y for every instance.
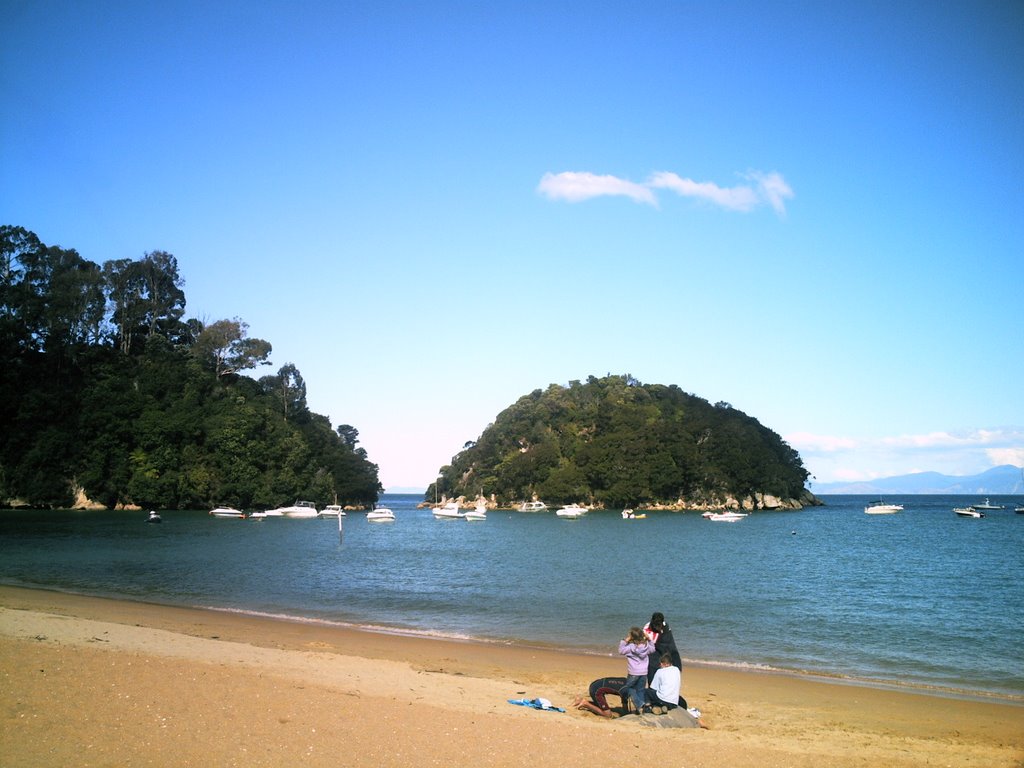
(107, 391)
(616, 442)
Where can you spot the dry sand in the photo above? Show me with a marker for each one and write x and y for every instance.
(91, 682)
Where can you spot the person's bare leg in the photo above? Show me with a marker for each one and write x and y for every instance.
(591, 707)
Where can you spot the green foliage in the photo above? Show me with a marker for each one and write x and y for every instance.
(108, 389)
(618, 442)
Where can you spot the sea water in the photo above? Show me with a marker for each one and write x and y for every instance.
(922, 598)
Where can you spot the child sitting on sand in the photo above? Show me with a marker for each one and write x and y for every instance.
(663, 694)
(636, 648)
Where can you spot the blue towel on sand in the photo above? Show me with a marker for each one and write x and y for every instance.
(536, 704)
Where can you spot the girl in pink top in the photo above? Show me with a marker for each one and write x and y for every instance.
(636, 648)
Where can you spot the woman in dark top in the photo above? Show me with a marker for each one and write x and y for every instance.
(658, 631)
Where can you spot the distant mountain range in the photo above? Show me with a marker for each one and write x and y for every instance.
(998, 481)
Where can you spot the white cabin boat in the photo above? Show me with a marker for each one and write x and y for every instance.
(968, 512)
(154, 517)
(571, 511)
(332, 510)
(449, 511)
(380, 515)
(298, 509)
(533, 506)
(227, 512)
(881, 508)
(725, 517)
(478, 513)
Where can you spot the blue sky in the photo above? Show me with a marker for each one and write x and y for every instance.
(812, 211)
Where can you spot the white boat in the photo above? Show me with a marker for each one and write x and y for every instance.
(725, 517)
(298, 509)
(968, 512)
(154, 517)
(380, 515)
(257, 515)
(881, 508)
(986, 505)
(332, 510)
(227, 512)
(629, 514)
(449, 511)
(572, 511)
(533, 506)
(478, 513)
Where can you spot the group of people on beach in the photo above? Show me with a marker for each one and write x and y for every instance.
(653, 674)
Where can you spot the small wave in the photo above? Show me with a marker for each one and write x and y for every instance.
(866, 682)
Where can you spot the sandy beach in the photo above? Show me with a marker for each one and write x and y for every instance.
(94, 682)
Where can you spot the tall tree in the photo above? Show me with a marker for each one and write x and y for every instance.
(225, 346)
(146, 297)
(288, 388)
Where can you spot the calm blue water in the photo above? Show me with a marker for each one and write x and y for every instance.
(920, 598)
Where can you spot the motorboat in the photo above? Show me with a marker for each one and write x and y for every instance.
(257, 515)
(227, 512)
(332, 510)
(881, 508)
(154, 517)
(477, 514)
(298, 509)
(533, 506)
(449, 511)
(629, 514)
(987, 505)
(380, 515)
(968, 512)
(725, 517)
(572, 511)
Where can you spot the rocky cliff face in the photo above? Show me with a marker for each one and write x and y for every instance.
(758, 501)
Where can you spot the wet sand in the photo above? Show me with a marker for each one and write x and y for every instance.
(93, 682)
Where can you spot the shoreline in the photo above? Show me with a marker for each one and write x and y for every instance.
(95, 681)
(924, 689)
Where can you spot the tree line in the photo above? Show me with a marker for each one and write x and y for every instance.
(109, 390)
(618, 442)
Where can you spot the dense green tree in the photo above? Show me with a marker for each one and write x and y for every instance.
(616, 441)
(289, 391)
(225, 347)
(106, 388)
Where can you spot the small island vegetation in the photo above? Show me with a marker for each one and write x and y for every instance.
(615, 442)
(110, 397)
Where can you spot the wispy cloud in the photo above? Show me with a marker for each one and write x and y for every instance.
(742, 198)
(973, 438)
(575, 186)
(837, 457)
(762, 189)
(773, 189)
(807, 441)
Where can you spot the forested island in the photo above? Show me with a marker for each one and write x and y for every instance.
(110, 397)
(616, 442)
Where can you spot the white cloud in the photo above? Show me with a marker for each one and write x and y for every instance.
(825, 443)
(1000, 456)
(978, 437)
(575, 186)
(734, 198)
(839, 458)
(773, 189)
